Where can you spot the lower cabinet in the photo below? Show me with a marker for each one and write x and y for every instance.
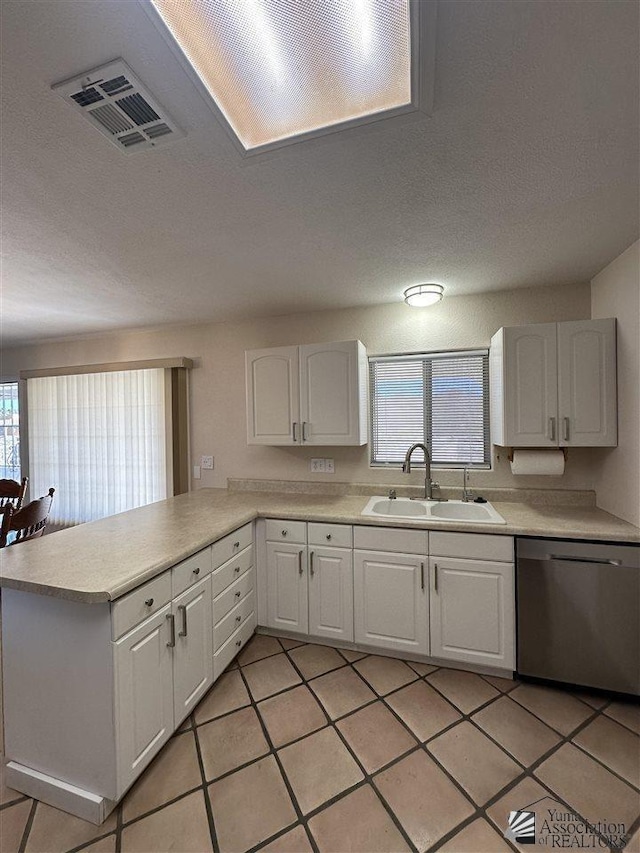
(287, 587)
(192, 653)
(331, 593)
(390, 601)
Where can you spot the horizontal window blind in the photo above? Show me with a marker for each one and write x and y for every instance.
(100, 440)
(439, 399)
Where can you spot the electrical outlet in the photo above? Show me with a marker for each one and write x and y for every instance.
(196, 472)
(206, 462)
(329, 466)
(317, 466)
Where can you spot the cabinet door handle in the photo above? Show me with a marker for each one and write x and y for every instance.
(172, 630)
(182, 609)
(435, 576)
(311, 569)
(565, 429)
(421, 575)
(294, 431)
(305, 437)
(300, 553)
(552, 429)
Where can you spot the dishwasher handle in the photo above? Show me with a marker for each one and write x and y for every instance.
(601, 561)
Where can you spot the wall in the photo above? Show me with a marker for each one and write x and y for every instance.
(615, 292)
(217, 383)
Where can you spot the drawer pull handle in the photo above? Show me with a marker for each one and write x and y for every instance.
(238, 642)
(329, 536)
(238, 594)
(172, 630)
(284, 532)
(238, 618)
(236, 544)
(300, 562)
(182, 609)
(149, 602)
(196, 571)
(237, 569)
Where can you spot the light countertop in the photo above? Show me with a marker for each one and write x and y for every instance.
(102, 560)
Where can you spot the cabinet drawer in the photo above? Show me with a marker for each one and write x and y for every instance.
(234, 593)
(232, 570)
(232, 544)
(286, 531)
(226, 653)
(471, 546)
(335, 535)
(140, 604)
(194, 568)
(391, 539)
(225, 628)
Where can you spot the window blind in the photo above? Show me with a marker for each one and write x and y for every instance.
(439, 399)
(100, 440)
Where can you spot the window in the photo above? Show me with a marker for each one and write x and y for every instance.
(108, 437)
(9, 432)
(439, 399)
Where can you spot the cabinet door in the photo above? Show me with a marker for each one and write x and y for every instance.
(331, 593)
(390, 601)
(472, 611)
(587, 383)
(531, 386)
(272, 378)
(332, 396)
(144, 694)
(193, 652)
(287, 587)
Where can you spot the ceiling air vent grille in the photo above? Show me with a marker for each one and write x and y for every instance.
(118, 105)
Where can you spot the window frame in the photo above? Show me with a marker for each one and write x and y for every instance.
(430, 356)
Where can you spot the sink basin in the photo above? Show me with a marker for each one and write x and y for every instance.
(399, 507)
(441, 511)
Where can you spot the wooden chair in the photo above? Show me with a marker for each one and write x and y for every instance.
(28, 522)
(12, 493)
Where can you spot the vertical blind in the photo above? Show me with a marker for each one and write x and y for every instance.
(100, 440)
(439, 399)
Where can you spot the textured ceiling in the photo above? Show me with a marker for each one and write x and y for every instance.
(526, 173)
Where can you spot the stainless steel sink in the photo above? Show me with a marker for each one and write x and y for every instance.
(444, 511)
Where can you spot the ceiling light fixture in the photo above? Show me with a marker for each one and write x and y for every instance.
(282, 70)
(420, 295)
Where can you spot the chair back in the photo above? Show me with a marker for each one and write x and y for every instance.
(28, 522)
(12, 493)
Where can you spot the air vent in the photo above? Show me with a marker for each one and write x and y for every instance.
(118, 105)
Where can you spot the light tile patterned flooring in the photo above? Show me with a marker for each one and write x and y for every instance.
(301, 747)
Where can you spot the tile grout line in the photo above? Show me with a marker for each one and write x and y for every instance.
(205, 792)
(27, 827)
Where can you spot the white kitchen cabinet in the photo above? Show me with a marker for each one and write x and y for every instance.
(587, 390)
(193, 651)
(143, 664)
(554, 385)
(312, 394)
(331, 592)
(390, 601)
(287, 587)
(472, 607)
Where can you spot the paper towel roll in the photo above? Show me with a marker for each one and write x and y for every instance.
(538, 462)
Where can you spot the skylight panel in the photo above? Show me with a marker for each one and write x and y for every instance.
(278, 69)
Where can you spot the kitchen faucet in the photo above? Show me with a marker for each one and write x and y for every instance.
(428, 482)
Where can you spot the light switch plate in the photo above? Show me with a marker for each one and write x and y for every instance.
(206, 462)
(329, 466)
(317, 466)
(196, 472)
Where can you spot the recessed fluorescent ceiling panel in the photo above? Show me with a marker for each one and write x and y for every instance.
(281, 68)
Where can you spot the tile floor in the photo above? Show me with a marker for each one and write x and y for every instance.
(301, 747)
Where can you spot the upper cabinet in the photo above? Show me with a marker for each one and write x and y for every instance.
(554, 385)
(313, 394)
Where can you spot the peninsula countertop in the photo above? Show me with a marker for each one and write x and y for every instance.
(102, 560)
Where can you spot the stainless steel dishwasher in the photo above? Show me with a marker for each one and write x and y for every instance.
(579, 613)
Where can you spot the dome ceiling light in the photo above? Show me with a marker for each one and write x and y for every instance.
(420, 295)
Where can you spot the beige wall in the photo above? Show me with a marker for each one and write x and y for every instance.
(217, 382)
(615, 292)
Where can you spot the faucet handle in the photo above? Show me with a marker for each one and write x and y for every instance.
(392, 494)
